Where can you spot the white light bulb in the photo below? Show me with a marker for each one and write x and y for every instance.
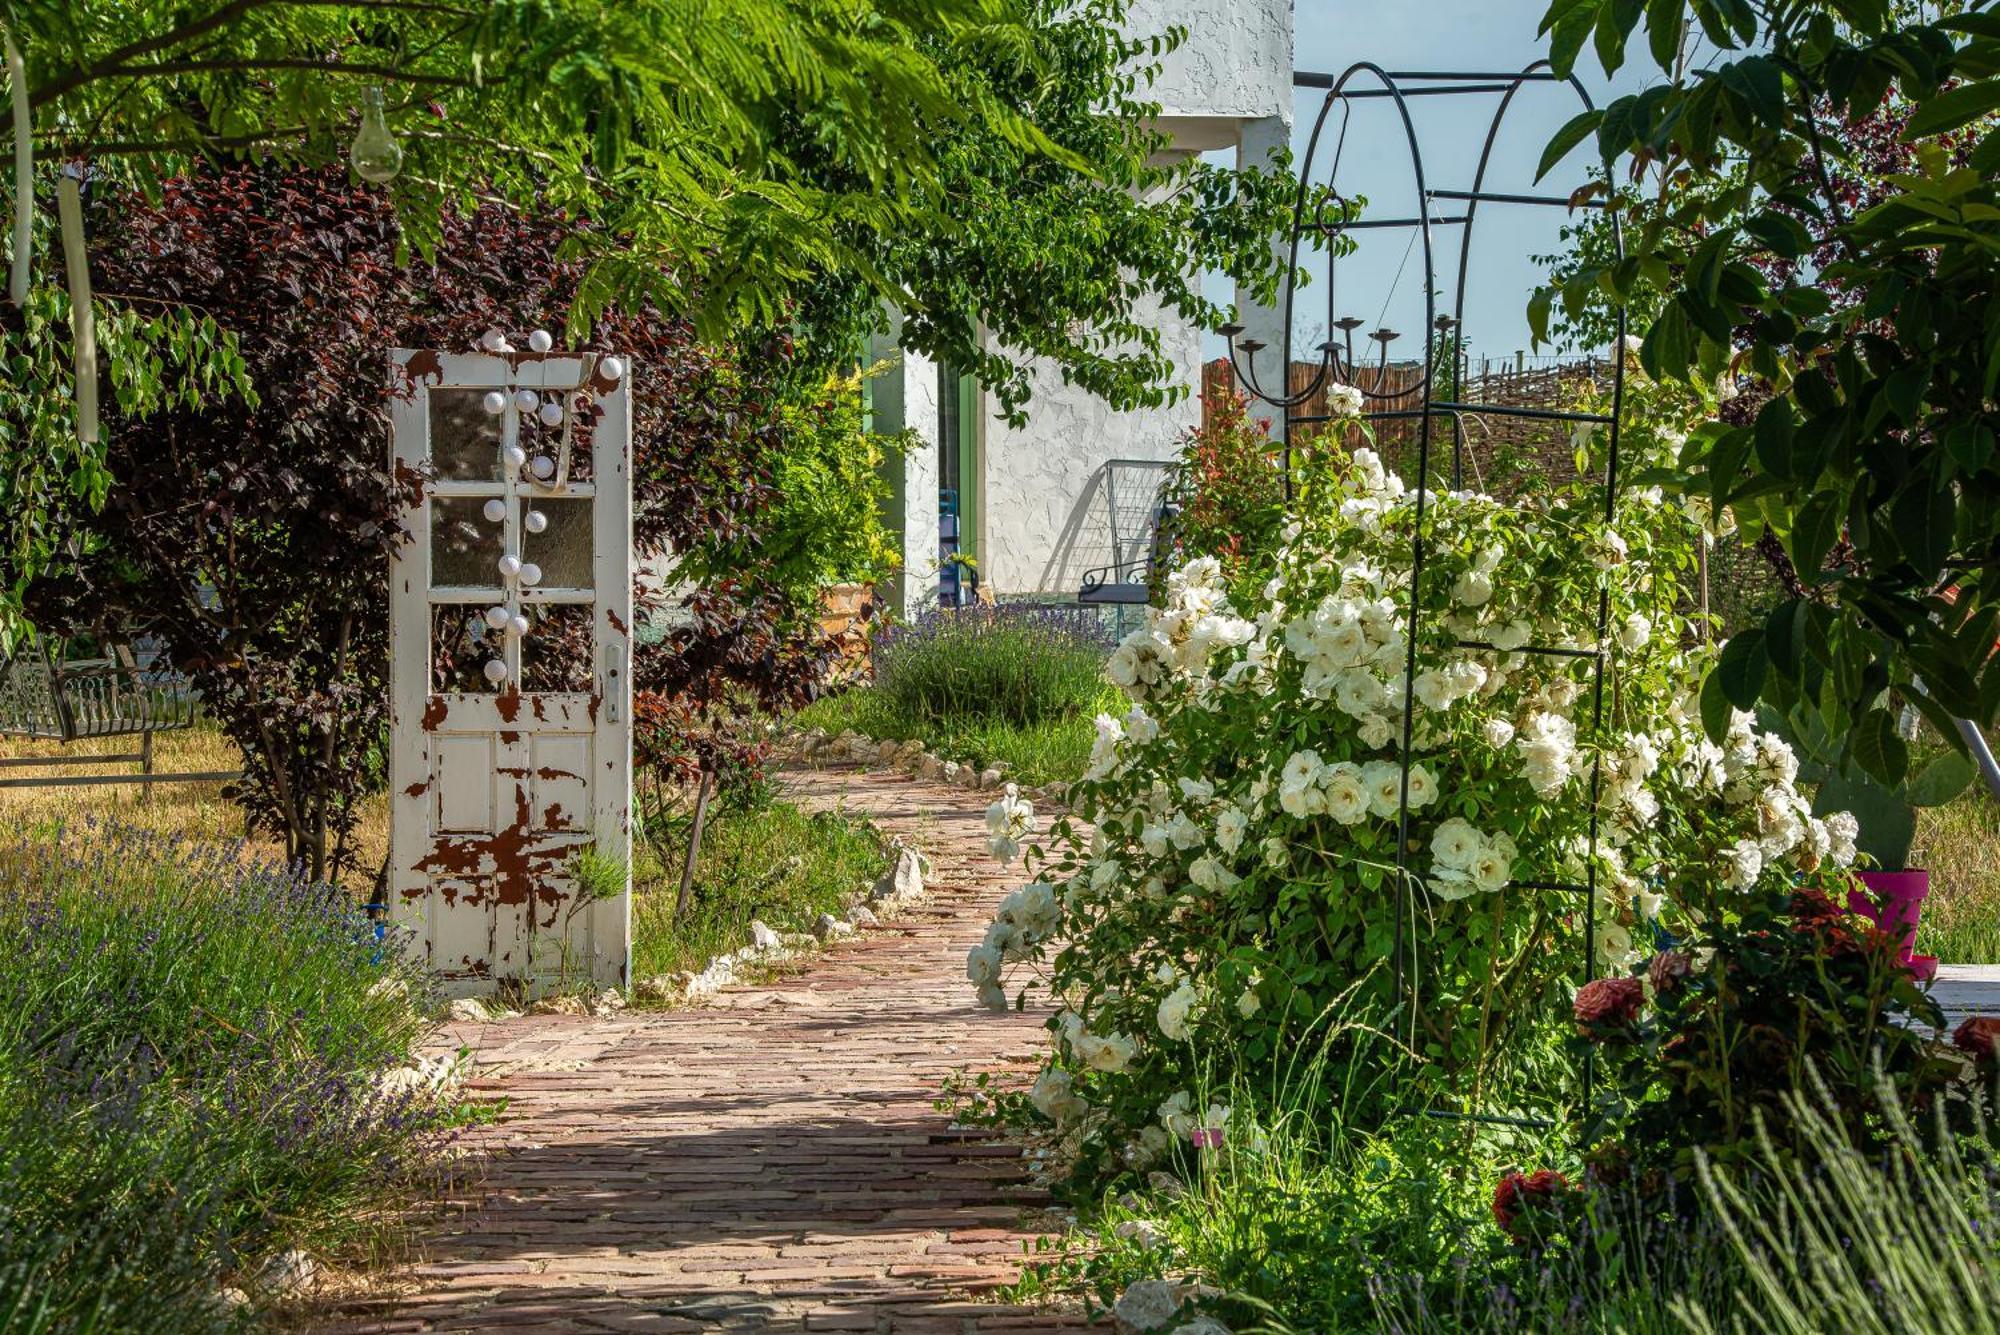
(527, 400)
(515, 456)
(543, 467)
(496, 671)
(495, 510)
(531, 574)
(613, 367)
(497, 616)
(510, 566)
(495, 402)
(536, 521)
(539, 341)
(376, 155)
(494, 341)
(551, 413)
(519, 625)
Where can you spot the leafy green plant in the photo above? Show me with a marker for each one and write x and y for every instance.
(1824, 222)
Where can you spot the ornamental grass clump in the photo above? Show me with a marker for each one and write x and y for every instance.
(1020, 665)
(202, 1063)
(1240, 875)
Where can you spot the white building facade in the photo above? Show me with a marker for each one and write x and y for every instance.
(1035, 507)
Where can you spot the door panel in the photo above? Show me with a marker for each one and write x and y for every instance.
(510, 609)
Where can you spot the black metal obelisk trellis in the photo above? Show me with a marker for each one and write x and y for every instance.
(1442, 369)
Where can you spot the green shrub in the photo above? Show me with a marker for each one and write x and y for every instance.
(191, 1057)
(1016, 665)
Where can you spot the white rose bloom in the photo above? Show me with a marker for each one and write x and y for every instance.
(1384, 781)
(1377, 731)
(1153, 839)
(1176, 1114)
(1547, 745)
(1174, 1011)
(1610, 551)
(1343, 401)
(1230, 827)
(1499, 732)
(1276, 854)
(1105, 874)
(1210, 874)
(1433, 689)
(1473, 588)
(1634, 631)
(1743, 864)
(1842, 830)
(993, 996)
(1358, 692)
(1104, 748)
(1009, 820)
(1140, 726)
(1054, 1095)
(1248, 1003)
(1456, 844)
(1490, 870)
(1423, 787)
(982, 965)
(1346, 797)
(1343, 645)
(1185, 832)
(1110, 1053)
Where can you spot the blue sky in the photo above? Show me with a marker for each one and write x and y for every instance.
(1382, 282)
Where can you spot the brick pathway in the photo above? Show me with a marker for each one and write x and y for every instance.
(769, 1164)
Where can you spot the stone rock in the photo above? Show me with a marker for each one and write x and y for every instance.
(1142, 1233)
(564, 1004)
(607, 1002)
(657, 987)
(290, 1272)
(930, 768)
(887, 752)
(830, 928)
(762, 937)
(1056, 792)
(863, 916)
(949, 771)
(904, 881)
(1146, 1304)
(991, 778)
(468, 1010)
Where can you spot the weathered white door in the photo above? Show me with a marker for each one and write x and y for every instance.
(511, 609)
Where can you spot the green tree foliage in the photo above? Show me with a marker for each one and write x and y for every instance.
(1868, 316)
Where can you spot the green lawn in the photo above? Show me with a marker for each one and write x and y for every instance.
(1053, 751)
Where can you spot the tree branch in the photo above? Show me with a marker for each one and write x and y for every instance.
(253, 63)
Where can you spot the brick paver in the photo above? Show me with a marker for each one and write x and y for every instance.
(772, 1163)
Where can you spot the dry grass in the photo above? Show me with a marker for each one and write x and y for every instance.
(190, 810)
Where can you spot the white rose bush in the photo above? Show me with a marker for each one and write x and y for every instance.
(1225, 895)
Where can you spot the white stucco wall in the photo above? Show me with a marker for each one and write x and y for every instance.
(1046, 505)
(1236, 63)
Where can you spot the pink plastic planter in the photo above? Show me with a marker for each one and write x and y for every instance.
(1892, 900)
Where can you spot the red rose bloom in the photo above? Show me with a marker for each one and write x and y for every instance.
(1669, 969)
(1608, 1004)
(1522, 1197)
(1980, 1036)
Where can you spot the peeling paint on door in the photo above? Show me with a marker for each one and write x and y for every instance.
(497, 790)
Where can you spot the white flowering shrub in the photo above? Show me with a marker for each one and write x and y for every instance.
(1240, 877)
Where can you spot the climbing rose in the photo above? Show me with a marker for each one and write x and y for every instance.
(1980, 1036)
(1608, 1003)
(1668, 970)
(1520, 1196)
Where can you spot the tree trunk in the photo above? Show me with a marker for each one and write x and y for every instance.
(685, 902)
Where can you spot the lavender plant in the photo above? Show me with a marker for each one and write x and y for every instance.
(1020, 664)
(198, 1060)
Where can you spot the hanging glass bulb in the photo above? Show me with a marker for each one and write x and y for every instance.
(495, 341)
(496, 671)
(527, 400)
(495, 510)
(613, 367)
(510, 566)
(497, 616)
(536, 521)
(515, 456)
(495, 402)
(376, 155)
(518, 625)
(531, 574)
(543, 467)
(539, 341)
(551, 413)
